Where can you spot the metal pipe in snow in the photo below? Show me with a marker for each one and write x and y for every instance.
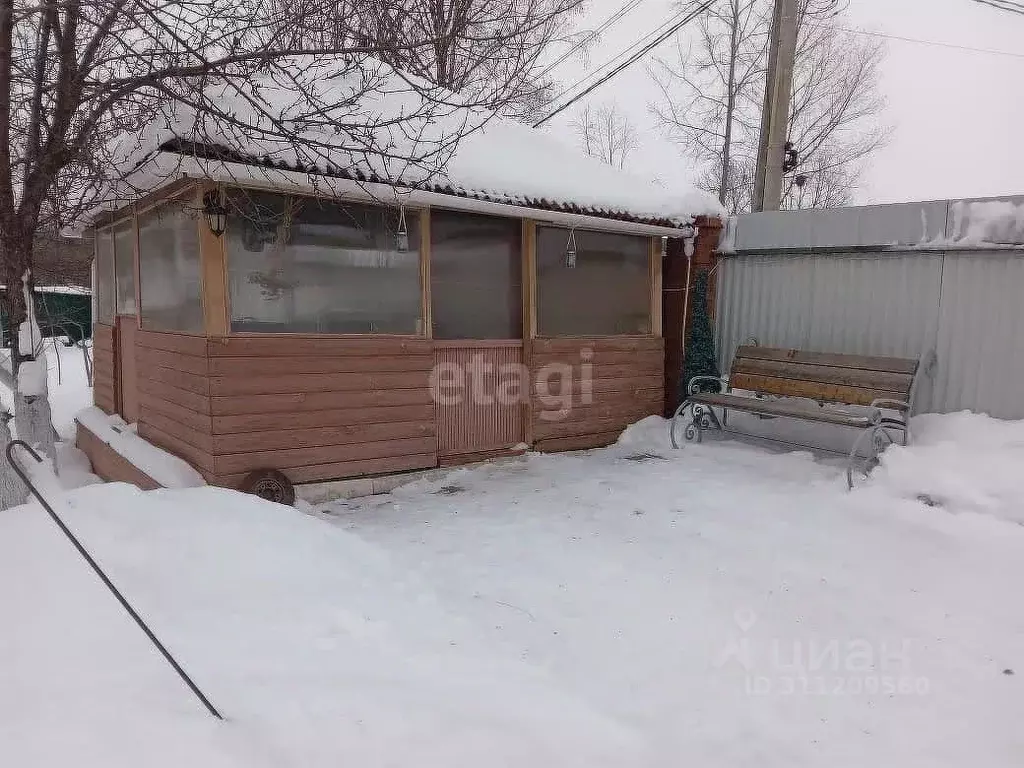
(99, 572)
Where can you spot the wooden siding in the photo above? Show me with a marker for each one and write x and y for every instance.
(482, 414)
(174, 395)
(319, 408)
(108, 463)
(614, 382)
(103, 391)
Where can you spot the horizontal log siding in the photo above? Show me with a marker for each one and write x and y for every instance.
(174, 396)
(626, 384)
(103, 368)
(108, 463)
(320, 408)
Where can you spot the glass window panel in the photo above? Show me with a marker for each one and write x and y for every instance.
(306, 266)
(124, 268)
(606, 293)
(475, 276)
(169, 270)
(105, 303)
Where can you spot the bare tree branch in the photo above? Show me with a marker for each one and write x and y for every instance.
(710, 101)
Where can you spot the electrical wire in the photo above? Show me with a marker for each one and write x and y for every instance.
(591, 36)
(617, 57)
(632, 59)
(1003, 5)
(934, 43)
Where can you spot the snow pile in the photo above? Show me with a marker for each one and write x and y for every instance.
(988, 221)
(316, 648)
(31, 373)
(165, 468)
(637, 607)
(650, 432)
(32, 376)
(514, 163)
(962, 462)
(373, 122)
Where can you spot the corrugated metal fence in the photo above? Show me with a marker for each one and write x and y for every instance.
(886, 280)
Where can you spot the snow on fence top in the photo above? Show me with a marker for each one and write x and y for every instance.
(364, 121)
(937, 224)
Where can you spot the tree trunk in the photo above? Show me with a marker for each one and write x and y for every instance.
(730, 107)
(12, 491)
(32, 419)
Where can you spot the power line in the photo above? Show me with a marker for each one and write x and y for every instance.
(660, 39)
(619, 56)
(1004, 5)
(590, 36)
(934, 43)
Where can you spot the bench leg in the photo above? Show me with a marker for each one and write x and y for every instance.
(701, 417)
(880, 440)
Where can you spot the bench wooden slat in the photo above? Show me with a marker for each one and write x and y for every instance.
(813, 390)
(863, 362)
(804, 411)
(876, 381)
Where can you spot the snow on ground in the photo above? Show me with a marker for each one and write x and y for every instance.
(720, 605)
(66, 381)
(68, 386)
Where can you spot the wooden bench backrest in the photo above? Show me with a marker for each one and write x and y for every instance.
(823, 376)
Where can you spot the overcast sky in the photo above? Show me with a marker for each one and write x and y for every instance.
(958, 115)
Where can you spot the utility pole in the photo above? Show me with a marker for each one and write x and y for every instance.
(775, 112)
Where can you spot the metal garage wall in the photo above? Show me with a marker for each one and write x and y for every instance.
(857, 304)
(980, 339)
(965, 304)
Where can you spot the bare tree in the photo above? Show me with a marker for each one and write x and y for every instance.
(490, 50)
(711, 95)
(605, 133)
(74, 74)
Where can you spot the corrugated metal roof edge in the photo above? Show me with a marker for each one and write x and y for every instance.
(219, 153)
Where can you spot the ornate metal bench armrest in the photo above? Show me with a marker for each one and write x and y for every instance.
(691, 388)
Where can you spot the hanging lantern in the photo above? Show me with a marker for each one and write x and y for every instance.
(215, 213)
(402, 237)
(570, 250)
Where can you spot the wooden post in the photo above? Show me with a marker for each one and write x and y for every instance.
(213, 264)
(137, 267)
(529, 247)
(529, 281)
(655, 265)
(426, 311)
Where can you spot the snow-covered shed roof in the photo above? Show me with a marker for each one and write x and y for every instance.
(382, 127)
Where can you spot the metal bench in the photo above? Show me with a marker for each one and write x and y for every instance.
(826, 382)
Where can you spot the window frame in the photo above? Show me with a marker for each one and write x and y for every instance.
(654, 283)
(521, 320)
(182, 201)
(421, 212)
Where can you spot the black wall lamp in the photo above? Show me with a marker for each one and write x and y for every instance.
(215, 212)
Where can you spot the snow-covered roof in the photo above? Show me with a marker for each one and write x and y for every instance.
(383, 127)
